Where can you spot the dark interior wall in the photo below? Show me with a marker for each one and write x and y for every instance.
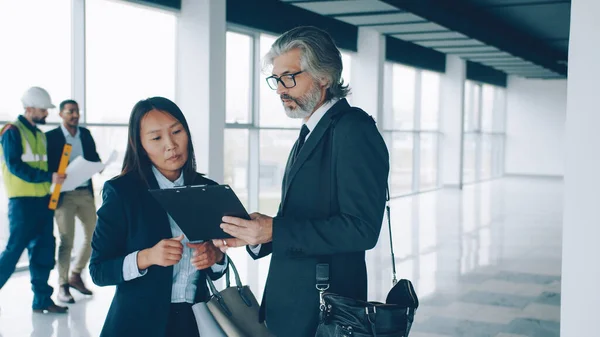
(278, 17)
(480, 73)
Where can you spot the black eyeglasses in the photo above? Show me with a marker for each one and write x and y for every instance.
(287, 80)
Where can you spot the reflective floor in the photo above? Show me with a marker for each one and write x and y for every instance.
(485, 262)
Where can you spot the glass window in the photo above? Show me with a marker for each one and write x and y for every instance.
(497, 155)
(400, 114)
(429, 161)
(108, 139)
(486, 156)
(468, 105)
(130, 55)
(401, 163)
(275, 146)
(476, 108)
(36, 51)
(472, 106)
(403, 98)
(470, 155)
(487, 107)
(239, 78)
(499, 110)
(430, 100)
(236, 162)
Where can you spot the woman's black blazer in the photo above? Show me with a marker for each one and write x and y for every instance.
(130, 220)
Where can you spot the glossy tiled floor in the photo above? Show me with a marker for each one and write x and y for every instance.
(485, 262)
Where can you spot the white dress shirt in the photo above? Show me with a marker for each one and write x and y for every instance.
(76, 146)
(311, 124)
(185, 275)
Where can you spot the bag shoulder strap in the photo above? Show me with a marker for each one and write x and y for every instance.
(322, 268)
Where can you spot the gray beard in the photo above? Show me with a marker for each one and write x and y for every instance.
(305, 105)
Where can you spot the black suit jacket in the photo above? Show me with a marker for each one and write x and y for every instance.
(332, 206)
(129, 220)
(55, 141)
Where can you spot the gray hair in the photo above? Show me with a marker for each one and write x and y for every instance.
(320, 57)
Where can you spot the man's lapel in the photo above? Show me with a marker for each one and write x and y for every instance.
(61, 138)
(293, 166)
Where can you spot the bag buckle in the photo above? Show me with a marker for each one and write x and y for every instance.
(322, 287)
(371, 314)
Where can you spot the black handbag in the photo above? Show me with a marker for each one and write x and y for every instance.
(347, 317)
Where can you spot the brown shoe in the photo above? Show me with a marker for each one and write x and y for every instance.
(52, 309)
(64, 295)
(76, 282)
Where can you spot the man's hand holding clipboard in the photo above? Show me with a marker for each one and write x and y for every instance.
(256, 231)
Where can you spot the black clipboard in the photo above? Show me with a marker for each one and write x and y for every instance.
(198, 210)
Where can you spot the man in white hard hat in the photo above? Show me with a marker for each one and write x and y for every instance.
(27, 182)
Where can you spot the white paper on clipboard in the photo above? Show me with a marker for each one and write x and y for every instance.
(81, 170)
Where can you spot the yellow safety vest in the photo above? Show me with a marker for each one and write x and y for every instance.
(34, 155)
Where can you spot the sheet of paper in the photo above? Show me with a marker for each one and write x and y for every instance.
(81, 170)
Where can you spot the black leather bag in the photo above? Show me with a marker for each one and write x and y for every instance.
(347, 317)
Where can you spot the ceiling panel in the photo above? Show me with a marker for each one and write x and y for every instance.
(359, 20)
(409, 28)
(425, 36)
(450, 43)
(529, 70)
(507, 62)
(345, 7)
(524, 70)
(515, 66)
(483, 58)
(472, 55)
(462, 50)
(548, 77)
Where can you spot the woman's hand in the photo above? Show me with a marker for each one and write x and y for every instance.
(205, 254)
(165, 253)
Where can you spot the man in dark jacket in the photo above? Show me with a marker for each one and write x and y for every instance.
(333, 193)
(79, 202)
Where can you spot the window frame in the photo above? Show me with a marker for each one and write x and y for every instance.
(417, 131)
(496, 134)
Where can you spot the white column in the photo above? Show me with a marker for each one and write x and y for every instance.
(367, 94)
(78, 55)
(200, 91)
(451, 117)
(367, 73)
(451, 211)
(581, 230)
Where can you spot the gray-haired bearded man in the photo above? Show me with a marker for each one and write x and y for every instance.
(333, 193)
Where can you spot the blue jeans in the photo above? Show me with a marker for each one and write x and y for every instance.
(31, 226)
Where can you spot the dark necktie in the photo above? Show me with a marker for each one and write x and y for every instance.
(301, 138)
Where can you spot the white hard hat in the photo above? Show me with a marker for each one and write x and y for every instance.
(36, 97)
